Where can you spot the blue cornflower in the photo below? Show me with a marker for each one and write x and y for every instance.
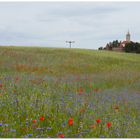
(30, 135)
(63, 124)
(12, 130)
(39, 128)
(49, 128)
(6, 124)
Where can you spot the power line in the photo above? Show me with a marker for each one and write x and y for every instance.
(70, 42)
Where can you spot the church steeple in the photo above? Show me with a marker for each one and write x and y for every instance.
(128, 36)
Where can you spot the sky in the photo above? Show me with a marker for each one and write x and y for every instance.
(50, 24)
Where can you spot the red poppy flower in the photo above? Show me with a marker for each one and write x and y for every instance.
(80, 91)
(96, 89)
(61, 136)
(70, 121)
(82, 110)
(1, 85)
(14, 90)
(17, 78)
(42, 118)
(108, 124)
(34, 121)
(98, 120)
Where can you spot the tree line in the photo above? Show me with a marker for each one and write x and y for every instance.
(110, 45)
(130, 47)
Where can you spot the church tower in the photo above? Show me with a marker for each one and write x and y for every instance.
(128, 37)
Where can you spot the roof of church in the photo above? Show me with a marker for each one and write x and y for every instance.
(123, 43)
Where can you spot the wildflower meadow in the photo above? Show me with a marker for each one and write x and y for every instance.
(69, 93)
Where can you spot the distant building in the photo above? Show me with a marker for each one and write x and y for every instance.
(117, 45)
(128, 37)
(128, 40)
(123, 46)
(123, 43)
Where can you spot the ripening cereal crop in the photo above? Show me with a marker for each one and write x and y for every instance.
(68, 93)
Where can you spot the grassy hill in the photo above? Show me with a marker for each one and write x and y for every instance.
(51, 92)
(109, 69)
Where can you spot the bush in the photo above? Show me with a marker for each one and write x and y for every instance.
(132, 47)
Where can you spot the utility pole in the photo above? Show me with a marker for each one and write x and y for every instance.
(70, 42)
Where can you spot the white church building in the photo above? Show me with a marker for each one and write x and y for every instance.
(128, 40)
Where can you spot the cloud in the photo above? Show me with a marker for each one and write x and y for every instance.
(81, 10)
(90, 24)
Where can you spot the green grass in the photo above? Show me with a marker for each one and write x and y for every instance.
(63, 83)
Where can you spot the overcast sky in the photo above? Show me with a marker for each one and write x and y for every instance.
(89, 24)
